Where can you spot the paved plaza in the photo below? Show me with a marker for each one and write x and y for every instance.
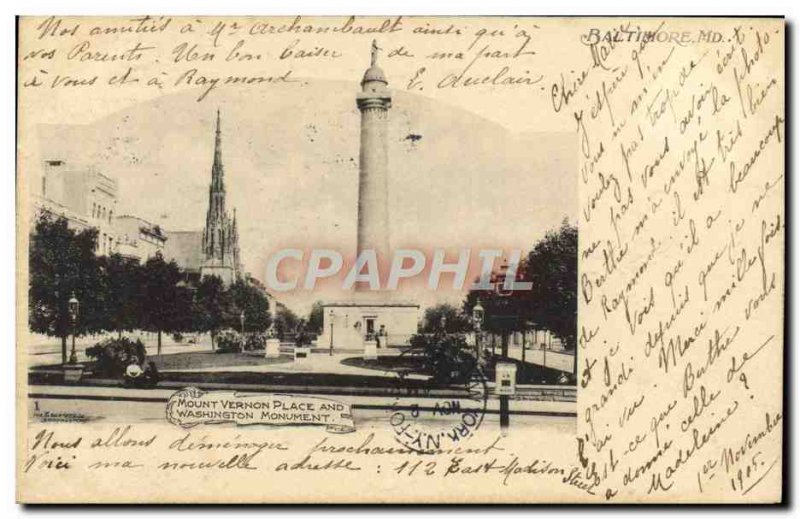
(47, 351)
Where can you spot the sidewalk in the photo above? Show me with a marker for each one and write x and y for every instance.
(119, 397)
(554, 359)
(47, 350)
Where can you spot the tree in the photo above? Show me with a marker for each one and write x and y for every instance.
(161, 296)
(316, 317)
(552, 267)
(455, 320)
(62, 264)
(244, 296)
(123, 283)
(285, 321)
(185, 307)
(210, 306)
(446, 356)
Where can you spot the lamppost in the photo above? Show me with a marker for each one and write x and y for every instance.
(330, 316)
(73, 306)
(528, 325)
(505, 372)
(544, 361)
(503, 318)
(241, 319)
(477, 323)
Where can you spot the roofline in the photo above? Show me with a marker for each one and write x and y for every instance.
(402, 304)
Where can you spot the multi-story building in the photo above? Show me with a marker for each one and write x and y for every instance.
(82, 195)
(138, 239)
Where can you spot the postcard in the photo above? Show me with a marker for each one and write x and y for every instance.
(400, 259)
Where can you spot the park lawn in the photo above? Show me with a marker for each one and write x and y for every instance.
(393, 363)
(204, 359)
(209, 359)
(194, 360)
(302, 382)
(296, 380)
(526, 373)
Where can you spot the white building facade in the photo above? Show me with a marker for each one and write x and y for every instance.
(84, 196)
(348, 324)
(137, 238)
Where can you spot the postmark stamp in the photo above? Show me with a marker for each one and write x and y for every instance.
(427, 425)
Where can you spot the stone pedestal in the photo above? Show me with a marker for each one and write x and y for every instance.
(273, 348)
(302, 353)
(73, 373)
(370, 349)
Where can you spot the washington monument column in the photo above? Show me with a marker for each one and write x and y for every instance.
(371, 319)
(374, 102)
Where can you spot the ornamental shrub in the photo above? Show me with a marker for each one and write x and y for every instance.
(113, 356)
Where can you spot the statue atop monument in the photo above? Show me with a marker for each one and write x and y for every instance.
(374, 75)
(374, 57)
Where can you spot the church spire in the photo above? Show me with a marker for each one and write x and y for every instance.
(220, 236)
(217, 171)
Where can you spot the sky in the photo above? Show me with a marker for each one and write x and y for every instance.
(290, 154)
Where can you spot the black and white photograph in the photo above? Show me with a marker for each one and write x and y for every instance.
(400, 259)
(174, 244)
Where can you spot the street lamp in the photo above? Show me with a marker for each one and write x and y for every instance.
(330, 316)
(544, 361)
(477, 322)
(73, 306)
(241, 319)
(503, 316)
(506, 319)
(478, 313)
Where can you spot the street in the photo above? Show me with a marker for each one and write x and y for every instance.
(118, 405)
